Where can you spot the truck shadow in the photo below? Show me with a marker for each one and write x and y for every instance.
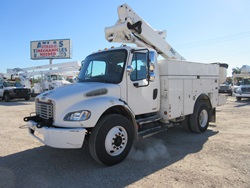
(49, 167)
(243, 102)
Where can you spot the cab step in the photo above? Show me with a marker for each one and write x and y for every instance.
(152, 131)
(148, 120)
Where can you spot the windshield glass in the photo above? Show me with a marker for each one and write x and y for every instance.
(245, 81)
(227, 83)
(12, 84)
(55, 77)
(105, 67)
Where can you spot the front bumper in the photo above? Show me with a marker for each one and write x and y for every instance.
(57, 137)
(225, 91)
(243, 95)
(19, 95)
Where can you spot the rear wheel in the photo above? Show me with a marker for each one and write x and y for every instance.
(199, 120)
(111, 139)
(6, 97)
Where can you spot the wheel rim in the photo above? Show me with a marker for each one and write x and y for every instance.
(203, 119)
(116, 141)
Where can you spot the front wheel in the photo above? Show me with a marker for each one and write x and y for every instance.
(238, 98)
(111, 139)
(27, 98)
(199, 120)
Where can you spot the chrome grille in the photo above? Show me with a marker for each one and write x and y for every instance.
(225, 88)
(245, 89)
(21, 91)
(44, 110)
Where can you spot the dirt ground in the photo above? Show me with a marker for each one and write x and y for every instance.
(220, 157)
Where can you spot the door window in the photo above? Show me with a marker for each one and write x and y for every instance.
(139, 64)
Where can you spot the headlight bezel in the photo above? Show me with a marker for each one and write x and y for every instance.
(238, 90)
(80, 115)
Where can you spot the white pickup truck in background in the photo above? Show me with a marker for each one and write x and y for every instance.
(10, 90)
(241, 88)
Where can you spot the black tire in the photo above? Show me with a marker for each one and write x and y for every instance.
(111, 139)
(199, 120)
(238, 98)
(6, 97)
(27, 98)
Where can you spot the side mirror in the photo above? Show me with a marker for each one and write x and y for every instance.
(151, 76)
(151, 66)
(1, 87)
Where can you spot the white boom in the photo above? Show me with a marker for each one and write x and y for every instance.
(47, 69)
(24, 74)
(131, 28)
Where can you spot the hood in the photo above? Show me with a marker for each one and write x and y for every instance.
(74, 93)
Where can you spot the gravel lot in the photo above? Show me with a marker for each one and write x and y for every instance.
(220, 157)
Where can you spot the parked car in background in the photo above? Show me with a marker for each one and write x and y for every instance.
(226, 87)
(10, 90)
(243, 90)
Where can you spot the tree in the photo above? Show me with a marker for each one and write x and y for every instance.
(236, 70)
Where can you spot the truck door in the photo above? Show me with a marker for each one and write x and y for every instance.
(143, 97)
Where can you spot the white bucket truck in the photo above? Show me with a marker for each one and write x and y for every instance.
(125, 93)
(51, 76)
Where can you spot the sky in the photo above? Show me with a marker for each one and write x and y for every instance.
(201, 31)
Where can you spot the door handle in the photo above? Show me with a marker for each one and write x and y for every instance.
(155, 93)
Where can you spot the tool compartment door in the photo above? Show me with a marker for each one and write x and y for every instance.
(175, 98)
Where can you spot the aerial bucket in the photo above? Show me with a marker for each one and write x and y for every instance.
(222, 72)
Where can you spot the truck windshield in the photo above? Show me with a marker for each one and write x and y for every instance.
(12, 84)
(105, 67)
(245, 81)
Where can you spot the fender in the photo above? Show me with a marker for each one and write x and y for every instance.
(101, 104)
(203, 97)
(206, 99)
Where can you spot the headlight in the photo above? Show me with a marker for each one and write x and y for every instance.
(238, 90)
(77, 116)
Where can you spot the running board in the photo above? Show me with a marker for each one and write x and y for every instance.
(152, 131)
(148, 120)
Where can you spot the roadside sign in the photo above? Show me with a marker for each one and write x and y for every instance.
(50, 49)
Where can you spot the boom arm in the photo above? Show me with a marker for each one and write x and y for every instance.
(60, 68)
(130, 28)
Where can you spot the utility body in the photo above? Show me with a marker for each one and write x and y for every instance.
(126, 93)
